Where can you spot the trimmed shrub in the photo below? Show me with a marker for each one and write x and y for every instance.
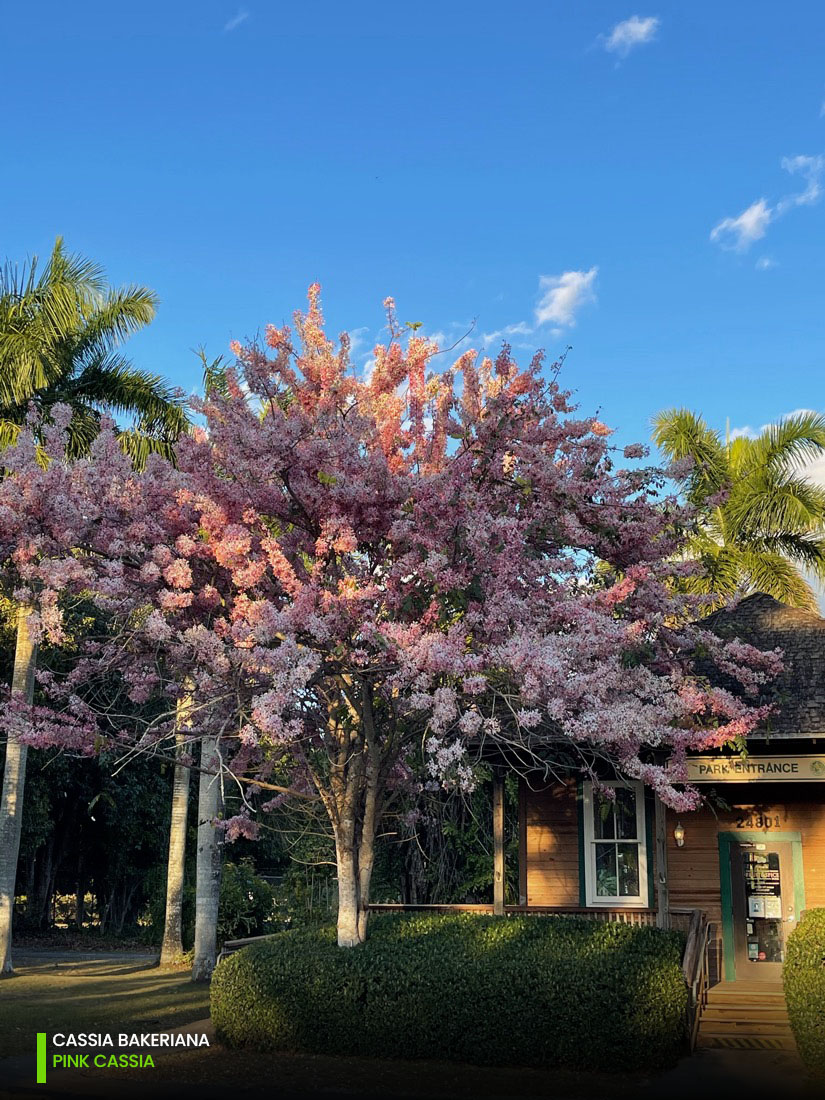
(529, 991)
(803, 975)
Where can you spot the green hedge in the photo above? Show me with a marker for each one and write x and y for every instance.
(530, 991)
(804, 978)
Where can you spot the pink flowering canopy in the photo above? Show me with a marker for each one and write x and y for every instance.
(345, 569)
(358, 585)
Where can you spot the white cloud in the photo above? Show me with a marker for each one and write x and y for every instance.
(739, 233)
(560, 298)
(751, 225)
(815, 471)
(746, 432)
(765, 263)
(810, 169)
(521, 328)
(562, 295)
(631, 33)
(357, 340)
(438, 337)
(236, 20)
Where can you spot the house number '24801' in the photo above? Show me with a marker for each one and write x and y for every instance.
(764, 820)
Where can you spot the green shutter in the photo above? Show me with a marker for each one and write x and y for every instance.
(580, 818)
(650, 811)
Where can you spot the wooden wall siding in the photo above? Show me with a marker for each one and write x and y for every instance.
(552, 846)
(693, 871)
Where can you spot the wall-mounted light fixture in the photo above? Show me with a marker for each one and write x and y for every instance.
(679, 834)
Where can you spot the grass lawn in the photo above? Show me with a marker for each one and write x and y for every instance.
(115, 995)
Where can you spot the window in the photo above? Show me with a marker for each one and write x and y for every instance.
(615, 846)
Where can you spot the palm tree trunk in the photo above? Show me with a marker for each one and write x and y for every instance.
(208, 867)
(14, 781)
(172, 947)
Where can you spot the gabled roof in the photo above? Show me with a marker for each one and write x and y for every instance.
(799, 691)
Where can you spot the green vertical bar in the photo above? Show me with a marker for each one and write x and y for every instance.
(582, 852)
(41, 1057)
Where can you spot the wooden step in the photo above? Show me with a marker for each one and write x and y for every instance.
(747, 1042)
(746, 990)
(746, 1016)
(766, 1016)
(726, 998)
(741, 1027)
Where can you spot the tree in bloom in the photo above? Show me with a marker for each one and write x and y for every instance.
(64, 532)
(357, 571)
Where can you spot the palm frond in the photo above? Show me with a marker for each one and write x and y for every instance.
(59, 326)
(770, 501)
(9, 432)
(721, 571)
(112, 382)
(120, 315)
(791, 441)
(806, 550)
(681, 434)
(138, 446)
(215, 380)
(776, 576)
(86, 276)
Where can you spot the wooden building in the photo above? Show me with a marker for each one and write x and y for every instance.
(752, 859)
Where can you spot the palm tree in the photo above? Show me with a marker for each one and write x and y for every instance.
(762, 521)
(171, 948)
(60, 332)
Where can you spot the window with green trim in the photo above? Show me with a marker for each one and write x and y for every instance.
(615, 842)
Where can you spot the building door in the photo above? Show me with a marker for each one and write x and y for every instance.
(763, 901)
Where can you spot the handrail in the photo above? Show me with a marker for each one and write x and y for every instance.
(695, 971)
(231, 946)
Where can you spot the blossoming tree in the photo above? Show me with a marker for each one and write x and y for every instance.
(354, 572)
(62, 531)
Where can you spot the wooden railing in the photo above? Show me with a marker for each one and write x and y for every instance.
(679, 919)
(695, 970)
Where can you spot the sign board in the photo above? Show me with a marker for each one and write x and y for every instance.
(756, 769)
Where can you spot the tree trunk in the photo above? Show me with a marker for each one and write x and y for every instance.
(80, 894)
(366, 851)
(45, 876)
(14, 780)
(127, 893)
(172, 947)
(348, 897)
(208, 868)
(355, 858)
(31, 868)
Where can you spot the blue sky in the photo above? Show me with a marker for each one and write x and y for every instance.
(557, 167)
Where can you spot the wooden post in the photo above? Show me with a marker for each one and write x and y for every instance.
(498, 845)
(522, 842)
(662, 888)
